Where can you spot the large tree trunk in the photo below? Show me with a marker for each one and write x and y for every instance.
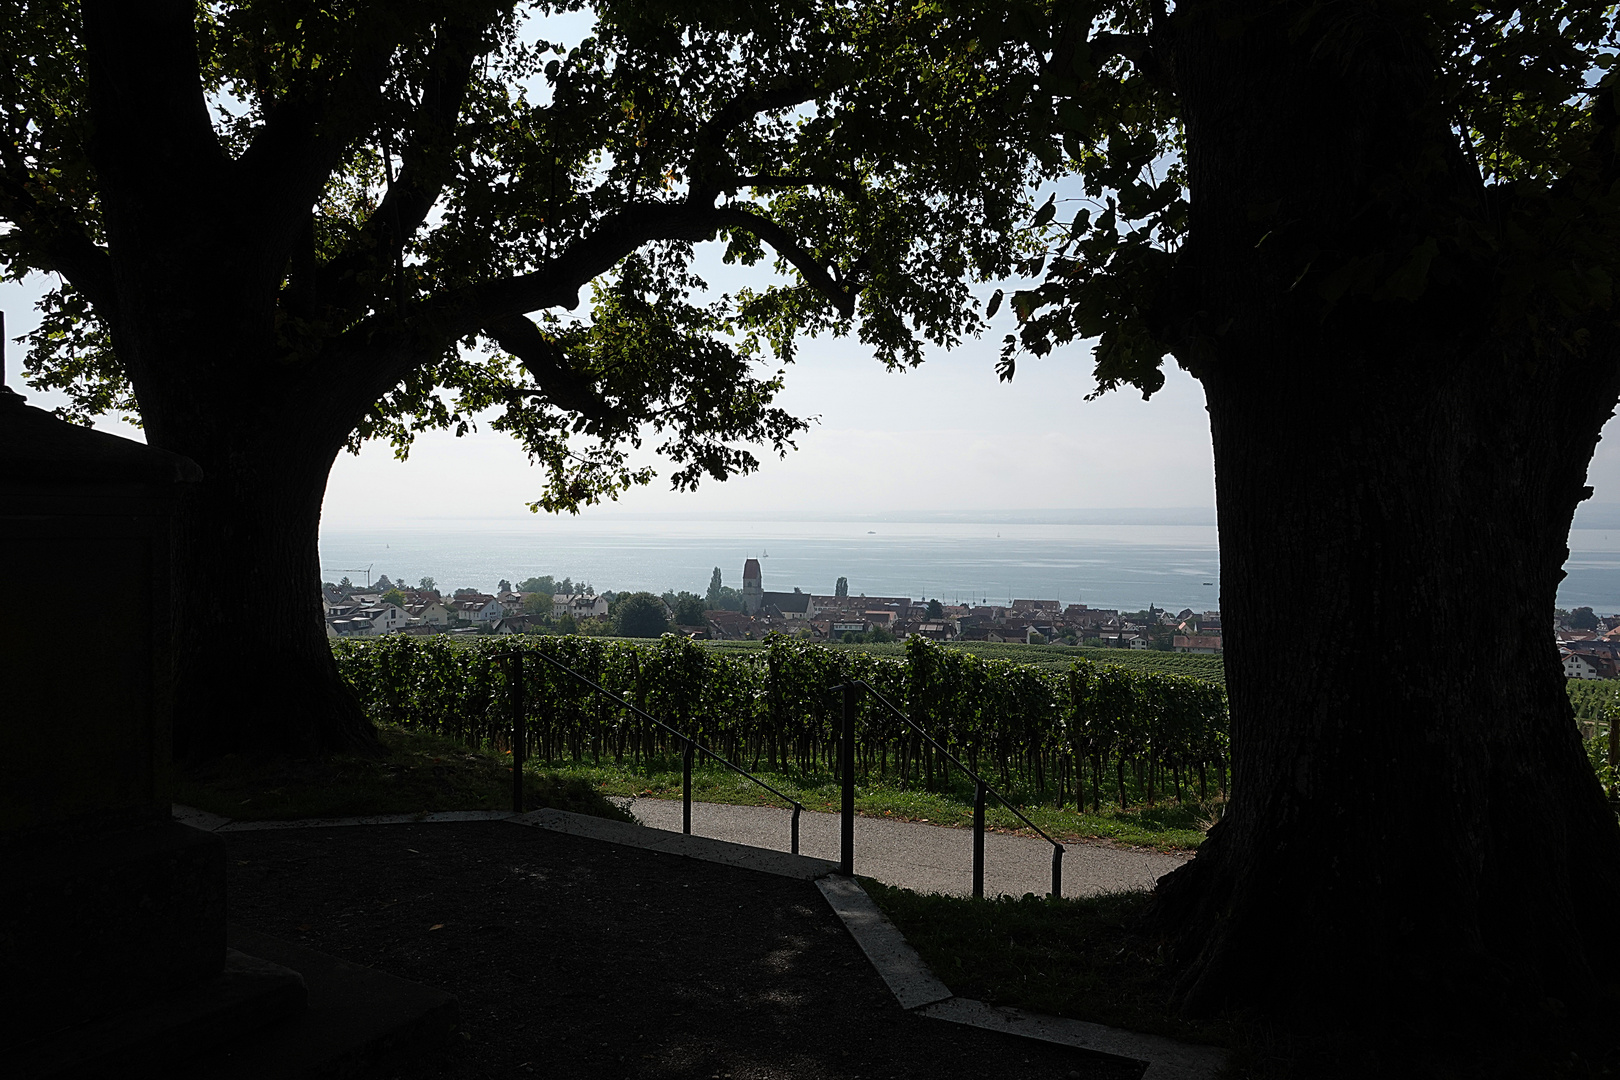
(255, 672)
(195, 269)
(1414, 836)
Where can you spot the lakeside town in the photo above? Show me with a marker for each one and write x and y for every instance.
(1588, 643)
(547, 605)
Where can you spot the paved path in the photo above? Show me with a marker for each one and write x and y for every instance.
(928, 858)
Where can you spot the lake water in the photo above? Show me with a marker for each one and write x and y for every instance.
(1108, 566)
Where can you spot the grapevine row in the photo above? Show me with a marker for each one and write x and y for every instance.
(1081, 736)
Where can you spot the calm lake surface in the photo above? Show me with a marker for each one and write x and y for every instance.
(1109, 566)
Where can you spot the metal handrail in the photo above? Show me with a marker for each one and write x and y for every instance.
(981, 787)
(692, 745)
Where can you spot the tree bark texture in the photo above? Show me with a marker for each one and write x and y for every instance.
(195, 262)
(254, 670)
(1413, 828)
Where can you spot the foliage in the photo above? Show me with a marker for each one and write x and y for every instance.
(842, 587)
(461, 167)
(1052, 658)
(1597, 708)
(1089, 735)
(1065, 735)
(1522, 93)
(395, 597)
(721, 597)
(640, 615)
(427, 584)
(687, 606)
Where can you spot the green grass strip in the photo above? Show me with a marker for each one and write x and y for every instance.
(1077, 958)
(1166, 827)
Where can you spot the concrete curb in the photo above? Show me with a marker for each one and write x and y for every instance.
(202, 819)
(912, 981)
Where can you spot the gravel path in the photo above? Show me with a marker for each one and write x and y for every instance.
(927, 858)
(577, 958)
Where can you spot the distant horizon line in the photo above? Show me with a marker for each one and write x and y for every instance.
(1159, 515)
(1587, 516)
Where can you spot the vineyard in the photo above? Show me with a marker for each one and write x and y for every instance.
(1597, 707)
(1087, 733)
(1210, 668)
(1074, 734)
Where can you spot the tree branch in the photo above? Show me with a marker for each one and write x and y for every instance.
(381, 350)
(387, 347)
(818, 277)
(556, 379)
(304, 136)
(151, 121)
(706, 177)
(55, 243)
(846, 185)
(584, 260)
(1606, 132)
(426, 160)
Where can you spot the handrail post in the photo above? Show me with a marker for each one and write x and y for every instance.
(1057, 872)
(686, 789)
(846, 757)
(978, 840)
(520, 733)
(796, 828)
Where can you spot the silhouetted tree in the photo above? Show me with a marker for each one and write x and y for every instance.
(640, 614)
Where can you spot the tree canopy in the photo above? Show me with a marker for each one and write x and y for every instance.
(639, 614)
(687, 606)
(416, 179)
(1526, 88)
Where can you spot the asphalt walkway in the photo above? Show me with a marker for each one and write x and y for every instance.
(927, 858)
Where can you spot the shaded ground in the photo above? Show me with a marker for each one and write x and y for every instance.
(576, 958)
(418, 771)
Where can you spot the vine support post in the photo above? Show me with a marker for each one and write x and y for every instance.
(1057, 872)
(686, 788)
(796, 809)
(846, 829)
(520, 734)
(978, 840)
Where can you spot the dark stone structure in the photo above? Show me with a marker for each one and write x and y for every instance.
(113, 939)
(106, 904)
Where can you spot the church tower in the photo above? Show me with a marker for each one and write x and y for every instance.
(753, 589)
